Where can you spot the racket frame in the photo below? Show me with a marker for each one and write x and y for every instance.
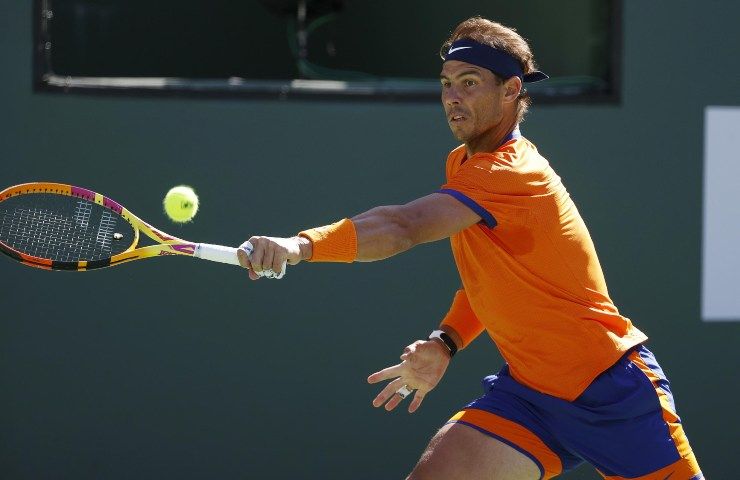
(165, 244)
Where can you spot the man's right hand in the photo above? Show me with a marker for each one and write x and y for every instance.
(271, 253)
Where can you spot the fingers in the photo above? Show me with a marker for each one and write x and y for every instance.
(279, 266)
(264, 257)
(258, 254)
(416, 402)
(393, 403)
(265, 265)
(283, 270)
(275, 259)
(389, 392)
(385, 374)
(392, 396)
(242, 254)
(408, 351)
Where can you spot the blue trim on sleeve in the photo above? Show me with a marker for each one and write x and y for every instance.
(470, 203)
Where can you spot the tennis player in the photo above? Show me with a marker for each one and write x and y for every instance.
(578, 384)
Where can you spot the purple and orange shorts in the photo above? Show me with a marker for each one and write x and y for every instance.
(624, 424)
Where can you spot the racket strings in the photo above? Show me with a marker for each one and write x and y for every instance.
(57, 235)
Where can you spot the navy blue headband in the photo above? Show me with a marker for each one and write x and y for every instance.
(497, 61)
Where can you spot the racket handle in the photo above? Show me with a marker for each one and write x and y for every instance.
(216, 253)
(219, 253)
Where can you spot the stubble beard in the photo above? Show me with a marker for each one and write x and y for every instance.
(461, 135)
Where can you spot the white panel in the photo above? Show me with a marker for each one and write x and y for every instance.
(721, 234)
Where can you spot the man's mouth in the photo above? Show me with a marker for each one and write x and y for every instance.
(454, 118)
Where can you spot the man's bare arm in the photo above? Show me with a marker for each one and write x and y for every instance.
(386, 231)
(381, 233)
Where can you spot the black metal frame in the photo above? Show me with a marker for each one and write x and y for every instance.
(44, 80)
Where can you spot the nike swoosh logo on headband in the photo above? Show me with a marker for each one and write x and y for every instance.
(456, 49)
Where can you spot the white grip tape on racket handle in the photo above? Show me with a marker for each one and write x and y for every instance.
(217, 253)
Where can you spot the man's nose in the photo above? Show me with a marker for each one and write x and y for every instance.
(450, 96)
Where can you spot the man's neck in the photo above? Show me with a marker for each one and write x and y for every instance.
(492, 139)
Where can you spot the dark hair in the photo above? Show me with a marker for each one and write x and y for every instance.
(501, 38)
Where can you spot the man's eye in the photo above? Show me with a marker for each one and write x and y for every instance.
(470, 83)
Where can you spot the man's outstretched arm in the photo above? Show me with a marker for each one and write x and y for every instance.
(373, 235)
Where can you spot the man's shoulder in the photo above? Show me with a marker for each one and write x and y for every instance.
(513, 154)
(516, 160)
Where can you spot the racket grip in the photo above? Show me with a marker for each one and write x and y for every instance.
(216, 253)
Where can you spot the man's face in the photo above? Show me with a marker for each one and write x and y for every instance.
(472, 99)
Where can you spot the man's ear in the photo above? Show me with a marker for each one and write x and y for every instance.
(513, 88)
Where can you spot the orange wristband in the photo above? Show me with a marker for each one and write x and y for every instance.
(333, 243)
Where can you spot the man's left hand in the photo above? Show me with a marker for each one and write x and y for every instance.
(422, 367)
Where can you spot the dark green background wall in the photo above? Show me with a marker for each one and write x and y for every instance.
(173, 368)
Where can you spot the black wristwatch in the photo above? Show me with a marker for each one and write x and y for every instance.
(446, 339)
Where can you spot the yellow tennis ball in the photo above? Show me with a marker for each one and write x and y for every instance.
(181, 204)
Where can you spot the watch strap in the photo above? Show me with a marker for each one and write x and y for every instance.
(446, 339)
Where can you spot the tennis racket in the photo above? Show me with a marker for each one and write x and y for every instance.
(61, 227)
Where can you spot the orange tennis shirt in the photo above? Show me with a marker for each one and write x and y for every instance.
(530, 274)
